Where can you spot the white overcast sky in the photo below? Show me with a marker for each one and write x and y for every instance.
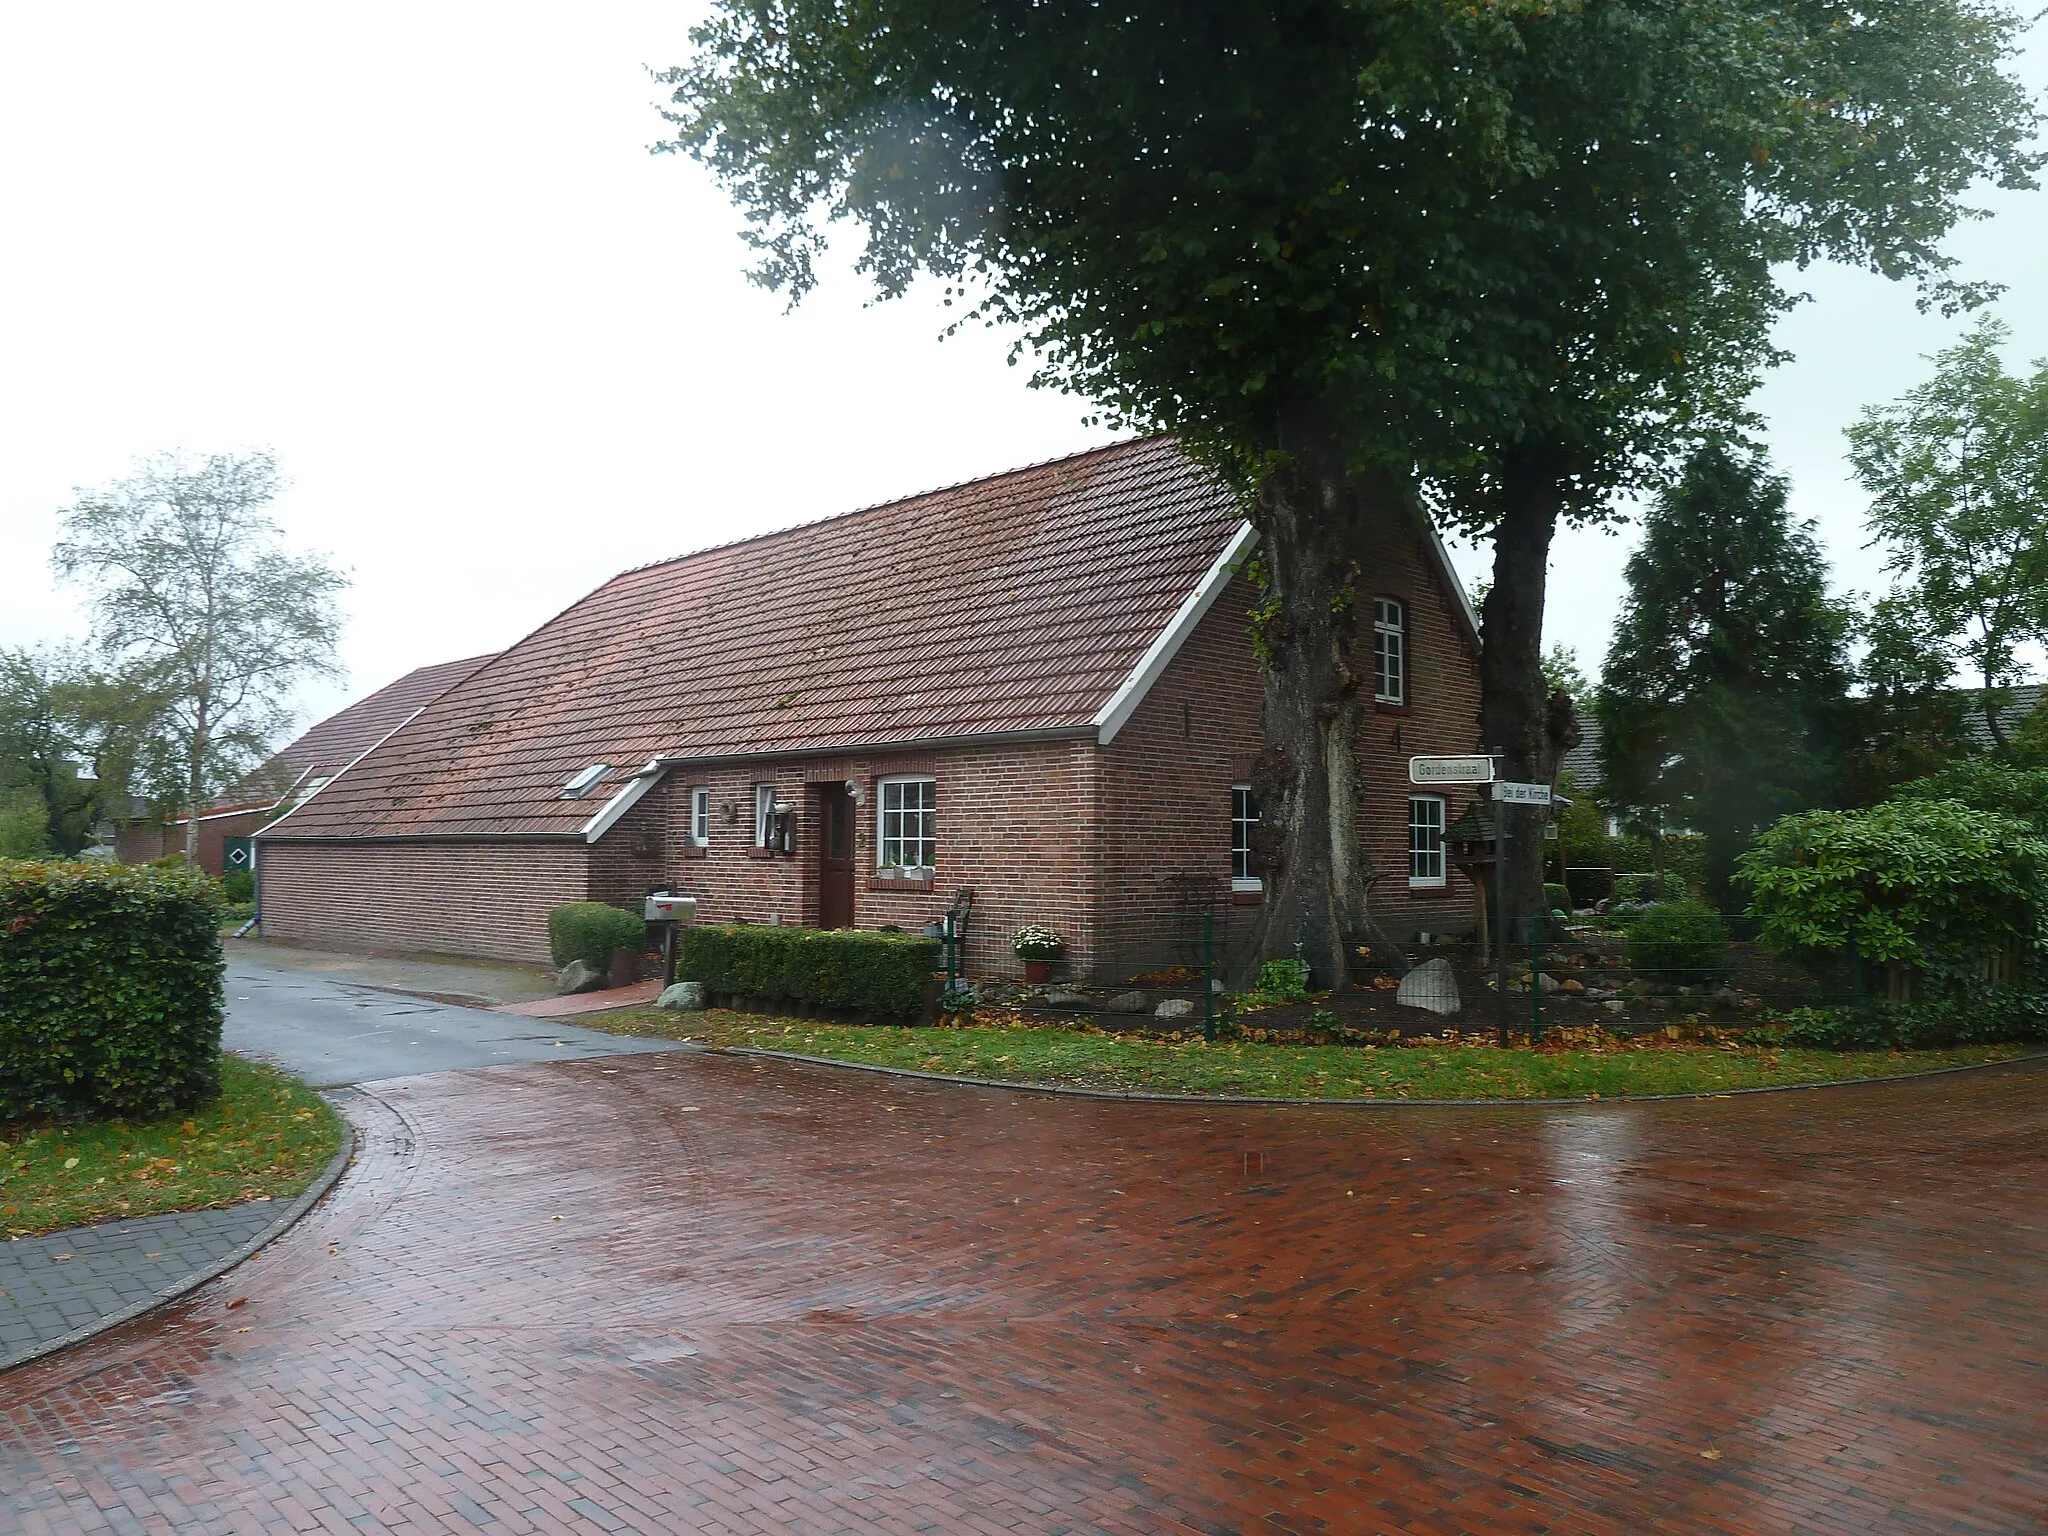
(421, 253)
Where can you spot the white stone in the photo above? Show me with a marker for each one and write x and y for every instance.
(1174, 1008)
(1431, 985)
(683, 997)
(576, 976)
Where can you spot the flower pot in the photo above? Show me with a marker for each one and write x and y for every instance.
(1037, 971)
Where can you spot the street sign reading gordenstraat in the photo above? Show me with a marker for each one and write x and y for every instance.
(1450, 770)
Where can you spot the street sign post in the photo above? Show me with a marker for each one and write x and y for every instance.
(1476, 769)
(1521, 794)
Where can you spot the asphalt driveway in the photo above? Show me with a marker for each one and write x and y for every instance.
(333, 1032)
(705, 1293)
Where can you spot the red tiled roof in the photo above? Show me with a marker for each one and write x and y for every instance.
(1016, 603)
(330, 746)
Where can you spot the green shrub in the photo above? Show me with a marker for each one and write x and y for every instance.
(1982, 1016)
(1684, 861)
(110, 990)
(2021, 793)
(1586, 886)
(1929, 884)
(878, 974)
(238, 885)
(1556, 898)
(590, 930)
(1679, 941)
(1284, 981)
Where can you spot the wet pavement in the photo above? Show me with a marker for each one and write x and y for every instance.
(695, 1292)
(332, 1032)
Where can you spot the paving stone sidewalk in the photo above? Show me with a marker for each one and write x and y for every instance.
(51, 1286)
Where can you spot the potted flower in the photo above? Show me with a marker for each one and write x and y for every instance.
(1039, 947)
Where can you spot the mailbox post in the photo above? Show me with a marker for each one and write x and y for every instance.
(670, 912)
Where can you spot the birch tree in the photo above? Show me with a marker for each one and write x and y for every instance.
(193, 595)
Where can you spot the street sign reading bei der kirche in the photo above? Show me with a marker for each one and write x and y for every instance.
(1450, 770)
(1522, 794)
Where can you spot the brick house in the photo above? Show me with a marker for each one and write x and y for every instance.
(293, 772)
(1037, 685)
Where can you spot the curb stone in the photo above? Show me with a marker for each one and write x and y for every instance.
(305, 1202)
(1140, 1096)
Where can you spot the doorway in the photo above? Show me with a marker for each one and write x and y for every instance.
(835, 858)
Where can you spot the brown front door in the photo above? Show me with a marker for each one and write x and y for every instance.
(835, 859)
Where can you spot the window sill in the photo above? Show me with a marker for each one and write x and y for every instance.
(902, 883)
(1247, 898)
(1384, 707)
(1427, 887)
(696, 851)
(769, 853)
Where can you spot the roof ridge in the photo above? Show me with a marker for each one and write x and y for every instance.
(893, 501)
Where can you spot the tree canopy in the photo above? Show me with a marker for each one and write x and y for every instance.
(1721, 703)
(194, 598)
(1957, 471)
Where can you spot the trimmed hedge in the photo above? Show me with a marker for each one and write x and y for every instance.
(590, 930)
(1556, 898)
(1987, 1016)
(880, 974)
(110, 990)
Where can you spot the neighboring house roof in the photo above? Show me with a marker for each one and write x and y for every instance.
(1041, 601)
(330, 746)
(1583, 761)
(2019, 702)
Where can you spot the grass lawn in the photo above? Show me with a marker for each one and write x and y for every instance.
(266, 1135)
(1034, 1054)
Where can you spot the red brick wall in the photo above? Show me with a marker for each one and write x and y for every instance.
(1167, 776)
(1015, 822)
(421, 897)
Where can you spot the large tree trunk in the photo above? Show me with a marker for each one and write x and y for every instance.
(1316, 522)
(1516, 716)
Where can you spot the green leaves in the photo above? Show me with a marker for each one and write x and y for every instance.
(110, 989)
(1911, 882)
(880, 974)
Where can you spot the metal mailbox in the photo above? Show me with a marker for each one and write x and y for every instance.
(663, 908)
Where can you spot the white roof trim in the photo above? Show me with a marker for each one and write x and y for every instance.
(332, 781)
(628, 796)
(1443, 555)
(1111, 717)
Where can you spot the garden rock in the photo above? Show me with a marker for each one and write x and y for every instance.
(576, 976)
(1127, 1002)
(1728, 997)
(1571, 984)
(1547, 983)
(1066, 1000)
(1174, 1008)
(1431, 986)
(1615, 1005)
(683, 997)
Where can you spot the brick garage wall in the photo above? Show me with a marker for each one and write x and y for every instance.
(488, 899)
(1015, 822)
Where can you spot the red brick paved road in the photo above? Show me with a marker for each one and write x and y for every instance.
(694, 1293)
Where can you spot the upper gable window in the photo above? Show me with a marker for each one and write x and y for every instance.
(1244, 816)
(585, 781)
(1389, 651)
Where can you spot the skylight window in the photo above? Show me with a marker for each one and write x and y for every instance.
(585, 781)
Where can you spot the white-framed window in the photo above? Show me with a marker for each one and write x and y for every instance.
(764, 813)
(700, 817)
(1425, 839)
(909, 831)
(1244, 815)
(1389, 651)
